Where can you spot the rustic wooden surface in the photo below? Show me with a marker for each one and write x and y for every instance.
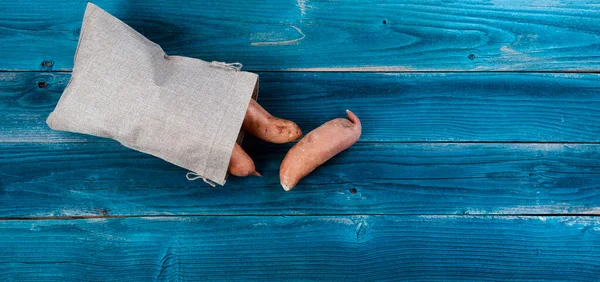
(401, 35)
(479, 160)
(275, 248)
(393, 107)
(98, 179)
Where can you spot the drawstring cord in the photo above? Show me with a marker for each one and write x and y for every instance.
(191, 176)
(232, 66)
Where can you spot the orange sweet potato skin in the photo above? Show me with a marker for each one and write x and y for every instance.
(263, 125)
(240, 164)
(317, 147)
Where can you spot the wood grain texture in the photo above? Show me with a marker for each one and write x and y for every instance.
(324, 35)
(360, 248)
(393, 107)
(99, 179)
(399, 205)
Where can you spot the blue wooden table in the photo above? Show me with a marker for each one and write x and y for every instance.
(479, 159)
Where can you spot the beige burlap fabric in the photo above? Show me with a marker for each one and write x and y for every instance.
(186, 111)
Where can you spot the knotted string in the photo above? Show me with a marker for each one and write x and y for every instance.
(191, 176)
(233, 66)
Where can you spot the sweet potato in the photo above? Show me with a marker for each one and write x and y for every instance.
(240, 164)
(317, 147)
(263, 125)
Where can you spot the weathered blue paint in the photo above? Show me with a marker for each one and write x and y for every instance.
(447, 182)
(274, 248)
(351, 35)
(97, 179)
(393, 107)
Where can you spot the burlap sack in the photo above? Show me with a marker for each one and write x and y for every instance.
(186, 111)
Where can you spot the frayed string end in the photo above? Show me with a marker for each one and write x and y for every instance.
(191, 176)
(232, 66)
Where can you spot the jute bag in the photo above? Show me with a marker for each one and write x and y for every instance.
(186, 111)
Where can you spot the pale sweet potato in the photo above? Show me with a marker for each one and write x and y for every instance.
(241, 164)
(317, 147)
(263, 125)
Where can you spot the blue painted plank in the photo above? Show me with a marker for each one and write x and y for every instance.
(393, 107)
(324, 35)
(99, 179)
(339, 248)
